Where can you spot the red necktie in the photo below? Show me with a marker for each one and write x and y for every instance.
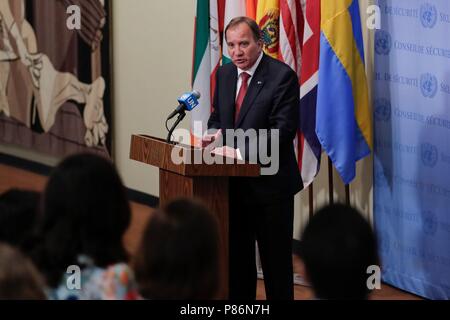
(241, 95)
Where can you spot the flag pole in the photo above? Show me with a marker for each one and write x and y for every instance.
(347, 194)
(311, 200)
(330, 181)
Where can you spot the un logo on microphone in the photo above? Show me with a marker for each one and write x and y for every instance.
(428, 85)
(382, 109)
(429, 155)
(383, 42)
(428, 15)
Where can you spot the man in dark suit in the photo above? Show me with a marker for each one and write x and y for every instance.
(259, 92)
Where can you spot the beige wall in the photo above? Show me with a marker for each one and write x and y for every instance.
(152, 67)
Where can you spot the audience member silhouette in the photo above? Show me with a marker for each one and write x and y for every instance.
(18, 215)
(85, 215)
(19, 278)
(338, 245)
(178, 254)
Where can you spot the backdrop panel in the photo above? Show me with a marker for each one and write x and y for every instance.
(412, 145)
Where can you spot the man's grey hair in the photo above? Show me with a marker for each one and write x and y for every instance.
(256, 31)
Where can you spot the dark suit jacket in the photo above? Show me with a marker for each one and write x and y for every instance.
(271, 102)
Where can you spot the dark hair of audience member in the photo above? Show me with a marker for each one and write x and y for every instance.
(178, 254)
(338, 245)
(18, 216)
(85, 212)
(19, 278)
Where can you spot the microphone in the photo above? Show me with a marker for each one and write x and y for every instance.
(187, 102)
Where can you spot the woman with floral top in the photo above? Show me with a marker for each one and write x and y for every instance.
(79, 245)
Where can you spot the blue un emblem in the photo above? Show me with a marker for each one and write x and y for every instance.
(429, 223)
(428, 85)
(382, 109)
(429, 155)
(383, 42)
(428, 15)
(380, 179)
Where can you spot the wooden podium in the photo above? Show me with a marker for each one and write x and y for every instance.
(184, 173)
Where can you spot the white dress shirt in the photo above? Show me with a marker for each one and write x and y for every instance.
(250, 71)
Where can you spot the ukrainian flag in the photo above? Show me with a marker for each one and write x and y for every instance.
(343, 121)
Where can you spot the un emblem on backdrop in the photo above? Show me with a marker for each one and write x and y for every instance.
(429, 223)
(380, 179)
(428, 15)
(383, 42)
(377, 208)
(429, 155)
(382, 109)
(428, 85)
(384, 242)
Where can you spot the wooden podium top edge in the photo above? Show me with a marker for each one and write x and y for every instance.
(157, 152)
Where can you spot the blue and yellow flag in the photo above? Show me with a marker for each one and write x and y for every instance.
(343, 121)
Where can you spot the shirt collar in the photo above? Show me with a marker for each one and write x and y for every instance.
(252, 70)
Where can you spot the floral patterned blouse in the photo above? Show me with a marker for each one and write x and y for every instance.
(116, 282)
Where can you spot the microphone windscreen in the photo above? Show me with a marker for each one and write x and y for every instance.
(196, 94)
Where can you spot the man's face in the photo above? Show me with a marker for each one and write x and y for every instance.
(242, 47)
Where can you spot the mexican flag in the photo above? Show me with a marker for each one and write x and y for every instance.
(206, 61)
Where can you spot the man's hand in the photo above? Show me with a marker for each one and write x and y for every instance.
(207, 139)
(228, 152)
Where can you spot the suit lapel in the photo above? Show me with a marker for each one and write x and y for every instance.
(255, 87)
(229, 99)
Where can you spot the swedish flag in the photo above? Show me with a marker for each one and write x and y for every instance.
(343, 121)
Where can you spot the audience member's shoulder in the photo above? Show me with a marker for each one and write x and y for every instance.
(119, 283)
(119, 271)
(115, 282)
